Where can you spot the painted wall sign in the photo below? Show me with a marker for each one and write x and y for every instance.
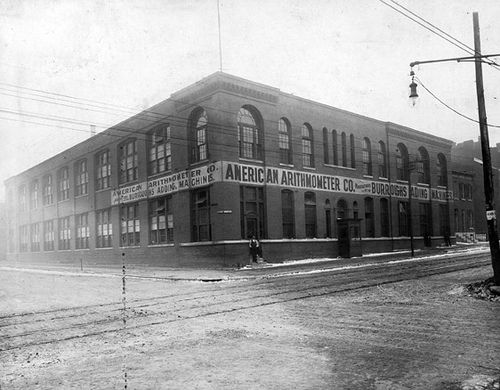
(168, 184)
(258, 175)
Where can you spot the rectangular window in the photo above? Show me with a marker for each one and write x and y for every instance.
(22, 198)
(382, 164)
(369, 218)
(310, 214)
(307, 153)
(425, 219)
(444, 220)
(23, 238)
(64, 233)
(130, 227)
(103, 170)
(159, 149)
(201, 229)
(34, 193)
(403, 218)
(104, 229)
(82, 231)
(48, 236)
(288, 213)
(128, 161)
(161, 221)
(48, 190)
(384, 217)
(63, 184)
(35, 237)
(81, 178)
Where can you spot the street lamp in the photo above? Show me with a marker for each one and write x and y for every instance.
(413, 89)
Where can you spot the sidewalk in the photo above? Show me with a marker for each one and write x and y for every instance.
(252, 271)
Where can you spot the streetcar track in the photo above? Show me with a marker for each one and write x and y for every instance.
(306, 293)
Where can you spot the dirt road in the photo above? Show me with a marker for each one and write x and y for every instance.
(306, 332)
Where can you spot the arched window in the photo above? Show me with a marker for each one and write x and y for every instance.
(382, 160)
(285, 141)
(423, 167)
(326, 154)
(288, 213)
(307, 146)
(442, 170)
(249, 133)
(335, 148)
(353, 151)
(384, 217)
(198, 135)
(328, 218)
(402, 163)
(310, 214)
(344, 149)
(341, 209)
(369, 218)
(367, 157)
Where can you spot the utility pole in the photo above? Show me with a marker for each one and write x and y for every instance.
(485, 148)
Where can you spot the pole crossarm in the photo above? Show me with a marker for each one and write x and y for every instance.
(458, 59)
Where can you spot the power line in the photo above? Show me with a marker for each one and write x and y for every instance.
(449, 107)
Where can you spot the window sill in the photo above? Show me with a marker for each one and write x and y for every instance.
(368, 176)
(310, 168)
(251, 160)
(383, 178)
(161, 245)
(286, 165)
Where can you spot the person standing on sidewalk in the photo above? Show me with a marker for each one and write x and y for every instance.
(254, 247)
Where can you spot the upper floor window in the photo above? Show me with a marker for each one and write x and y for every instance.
(402, 163)
(442, 170)
(128, 161)
(344, 149)
(198, 135)
(367, 157)
(34, 193)
(423, 166)
(326, 154)
(382, 160)
(159, 150)
(335, 152)
(353, 151)
(307, 146)
(63, 184)
(249, 134)
(22, 198)
(103, 170)
(48, 190)
(81, 178)
(284, 140)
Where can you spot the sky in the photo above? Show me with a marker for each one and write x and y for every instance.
(67, 64)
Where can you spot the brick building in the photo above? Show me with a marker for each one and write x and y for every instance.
(468, 187)
(189, 180)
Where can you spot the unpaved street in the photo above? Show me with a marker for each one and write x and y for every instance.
(309, 331)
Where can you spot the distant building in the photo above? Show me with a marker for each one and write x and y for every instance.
(3, 231)
(469, 193)
(188, 181)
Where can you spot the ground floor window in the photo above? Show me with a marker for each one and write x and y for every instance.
(201, 229)
(104, 229)
(288, 214)
(384, 218)
(130, 227)
(23, 238)
(252, 212)
(403, 216)
(369, 218)
(444, 223)
(35, 237)
(48, 236)
(161, 221)
(425, 219)
(64, 233)
(82, 231)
